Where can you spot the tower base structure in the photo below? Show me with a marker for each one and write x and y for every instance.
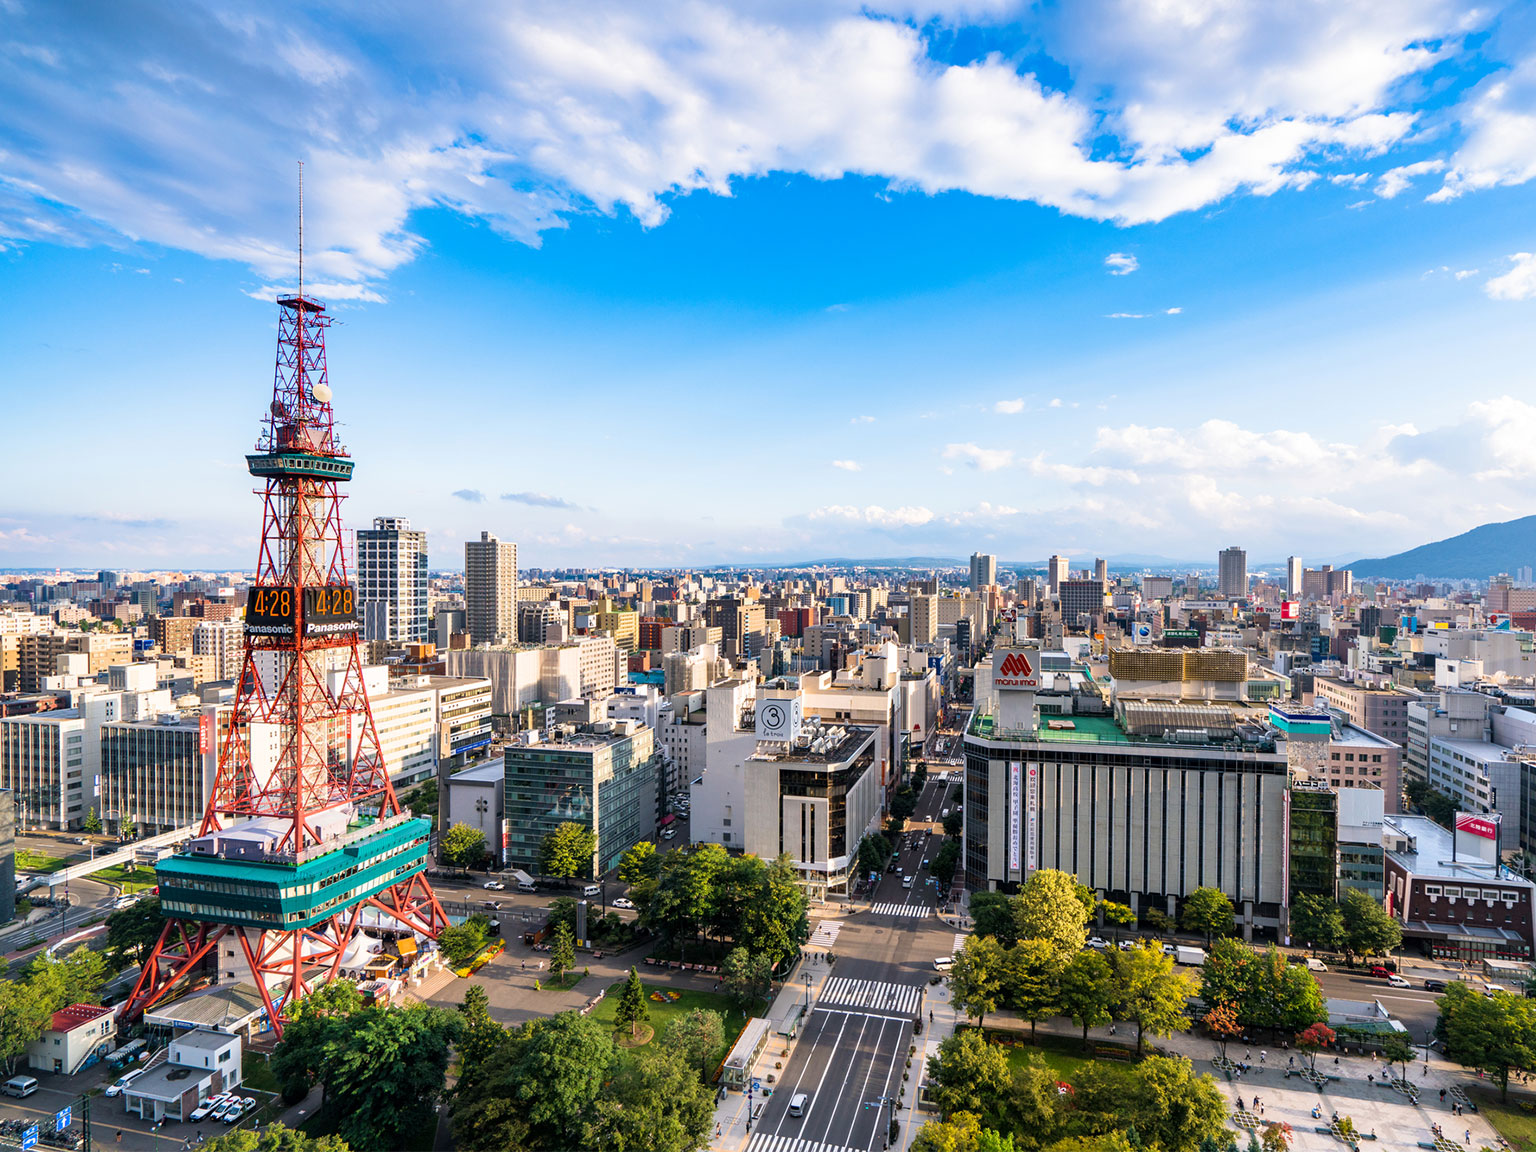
(237, 907)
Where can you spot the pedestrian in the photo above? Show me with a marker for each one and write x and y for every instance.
(1372, 1079)
(1469, 1135)
(1442, 1095)
(1263, 1053)
(119, 1135)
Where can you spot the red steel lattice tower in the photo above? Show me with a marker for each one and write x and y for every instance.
(299, 757)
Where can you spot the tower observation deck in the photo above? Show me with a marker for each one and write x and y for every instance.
(304, 847)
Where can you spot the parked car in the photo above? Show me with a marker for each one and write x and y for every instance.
(116, 1087)
(1379, 972)
(223, 1110)
(1435, 985)
(1098, 942)
(1127, 945)
(494, 885)
(1168, 949)
(209, 1106)
(623, 902)
(235, 1109)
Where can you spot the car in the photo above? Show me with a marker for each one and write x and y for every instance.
(907, 883)
(623, 902)
(1098, 942)
(82, 840)
(493, 885)
(223, 1110)
(943, 813)
(1379, 972)
(209, 1106)
(943, 963)
(1397, 981)
(1127, 945)
(116, 1087)
(1169, 950)
(669, 834)
(236, 1109)
(1435, 985)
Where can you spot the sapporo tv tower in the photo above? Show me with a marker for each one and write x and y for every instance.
(304, 863)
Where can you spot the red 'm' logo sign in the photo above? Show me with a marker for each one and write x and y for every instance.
(1016, 664)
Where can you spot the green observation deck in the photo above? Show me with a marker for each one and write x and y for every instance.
(282, 464)
(284, 896)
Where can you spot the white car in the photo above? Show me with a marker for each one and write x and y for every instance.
(209, 1106)
(669, 833)
(1397, 981)
(1098, 942)
(907, 883)
(1128, 945)
(623, 902)
(117, 1086)
(223, 1110)
(235, 1109)
(494, 885)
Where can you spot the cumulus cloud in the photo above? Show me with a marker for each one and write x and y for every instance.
(524, 118)
(538, 500)
(1395, 180)
(1499, 124)
(471, 495)
(874, 515)
(1519, 283)
(982, 459)
(1121, 263)
(1009, 407)
(847, 465)
(862, 420)
(1172, 311)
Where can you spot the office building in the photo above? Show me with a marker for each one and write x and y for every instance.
(7, 856)
(1157, 587)
(475, 797)
(605, 776)
(1080, 601)
(1056, 572)
(222, 643)
(741, 623)
(983, 571)
(490, 590)
(1232, 572)
(1383, 711)
(1293, 576)
(42, 764)
(156, 775)
(1101, 572)
(392, 581)
(924, 619)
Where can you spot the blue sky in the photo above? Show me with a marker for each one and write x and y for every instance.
(693, 283)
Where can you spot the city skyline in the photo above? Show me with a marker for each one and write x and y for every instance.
(888, 284)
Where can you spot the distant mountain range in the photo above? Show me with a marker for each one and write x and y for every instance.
(1476, 555)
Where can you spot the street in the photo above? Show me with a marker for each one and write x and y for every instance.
(850, 1061)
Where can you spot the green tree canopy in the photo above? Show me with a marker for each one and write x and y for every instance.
(1148, 991)
(639, 863)
(954, 823)
(568, 851)
(1032, 982)
(944, 863)
(992, 915)
(773, 920)
(91, 823)
(631, 1011)
(1174, 1107)
(977, 978)
(461, 942)
(1368, 929)
(1087, 991)
(562, 952)
(275, 1137)
(654, 1103)
(333, 998)
(698, 1035)
(967, 1074)
(384, 1077)
(746, 975)
(1316, 921)
(1496, 1032)
(1209, 911)
(1053, 906)
(132, 931)
(481, 1038)
(462, 846)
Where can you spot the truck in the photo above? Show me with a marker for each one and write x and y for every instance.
(1183, 954)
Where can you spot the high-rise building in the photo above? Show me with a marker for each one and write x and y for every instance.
(1056, 572)
(1232, 572)
(1101, 571)
(983, 570)
(1293, 576)
(490, 589)
(392, 581)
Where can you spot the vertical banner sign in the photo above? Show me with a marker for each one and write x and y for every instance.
(1032, 819)
(205, 734)
(1015, 815)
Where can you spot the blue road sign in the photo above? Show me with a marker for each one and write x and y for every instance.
(61, 1119)
(29, 1137)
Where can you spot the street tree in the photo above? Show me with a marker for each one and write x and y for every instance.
(903, 804)
(748, 976)
(954, 823)
(567, 851)
(1369, 929)
(480, 1037)
(1221, 1022)
(25, 1009)
(1053, 906)
(1116, 914)
(944, 863)
(1226, 977)
(1496, 1032)
(1313, 1040)
(992, 915)
(275, 1137)
(1087, 991)
(77, 978)
(562, 953)
(874, 851)
(1209, 911)
(639, 863)
(1148, 991)
(385, 1076)
(1032, 982)
(631, 1011)
(460, 943)
(1395, 1050)
(92, 822)
(653, 1103)
(698, 1035)
(773, 920)
(977, 977)
(462, 846)
(967, 1074)
(132, 931)
(1277, 1136)
(1317, 922)
(1173, 1106)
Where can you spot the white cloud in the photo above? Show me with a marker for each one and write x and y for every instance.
(1121, 263)
(1464, 273)
(1009, 407)
(862, 420)
(873, 514)
(1519, 283)
(1395, 180)
(982, 459)
(1115, 316)
(1055, 403)
(1499, 122)
(982, 511)
(1172, 311)
(847, 465)
(522, 118)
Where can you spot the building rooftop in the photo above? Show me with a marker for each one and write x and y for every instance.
(491, 773)
(229, 1006)
(831, 744)
(1431, 853)
(206, 1039)
(75, 1015)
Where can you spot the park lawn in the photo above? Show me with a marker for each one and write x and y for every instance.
(662, 1013)
(27, 861)
(128, 881)
(1515, 1121)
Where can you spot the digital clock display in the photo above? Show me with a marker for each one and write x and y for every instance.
(330, 609)
(269, 610)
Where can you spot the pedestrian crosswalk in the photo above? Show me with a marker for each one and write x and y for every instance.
(913, 911)
(959, 941)
(767, 1142)
(880, 995)
(826, 934)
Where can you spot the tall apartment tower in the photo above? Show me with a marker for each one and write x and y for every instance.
(1056, 573)
(983, 570)
(1232, 572)
(1293, 576)
(392, 581)
(490, 590)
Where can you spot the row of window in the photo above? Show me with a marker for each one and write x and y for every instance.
(1454, 891)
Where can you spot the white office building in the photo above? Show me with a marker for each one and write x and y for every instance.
(392, 581)
(490, 590)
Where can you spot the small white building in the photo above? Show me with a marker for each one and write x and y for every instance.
(202, 1063)
(77, 1037)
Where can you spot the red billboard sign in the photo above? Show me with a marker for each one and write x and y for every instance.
(1483, 826)
(1288, 609)
(205, 733)
(1015, 670)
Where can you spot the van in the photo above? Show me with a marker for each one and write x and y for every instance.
(797, 1104)
(944, 963)
(592, 890)
(526, 886)
(1315, 965)
(20, 1086)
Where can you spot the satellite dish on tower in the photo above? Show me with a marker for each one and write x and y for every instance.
(321, 393)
